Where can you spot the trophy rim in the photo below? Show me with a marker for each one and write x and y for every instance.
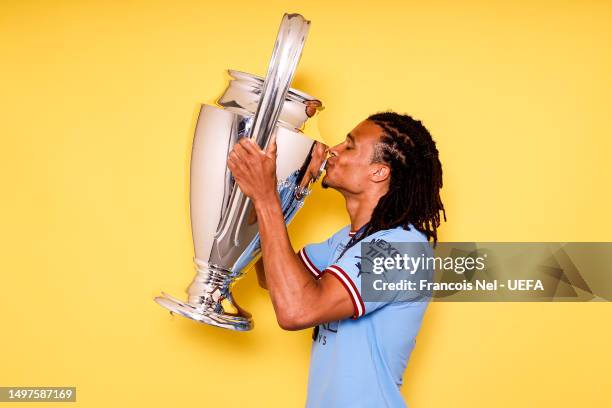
(293, 94)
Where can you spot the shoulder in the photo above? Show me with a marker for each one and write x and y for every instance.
(332, 241)
(341, 233)
(401, 234)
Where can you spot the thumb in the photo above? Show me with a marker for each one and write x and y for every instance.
(271, 148)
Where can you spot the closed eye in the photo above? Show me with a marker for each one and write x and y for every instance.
(349, 141)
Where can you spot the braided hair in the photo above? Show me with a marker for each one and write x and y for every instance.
(416, 177)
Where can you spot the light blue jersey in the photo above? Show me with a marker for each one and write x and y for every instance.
(360, 362)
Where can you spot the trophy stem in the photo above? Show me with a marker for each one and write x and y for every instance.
(211, 285)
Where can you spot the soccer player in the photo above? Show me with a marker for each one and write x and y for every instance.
(390, 175)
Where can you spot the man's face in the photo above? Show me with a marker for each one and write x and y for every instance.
(350, 167)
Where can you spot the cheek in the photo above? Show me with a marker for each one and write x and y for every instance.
(354, 172)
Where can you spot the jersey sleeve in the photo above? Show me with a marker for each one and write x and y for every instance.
(347, 269)
(315, 257)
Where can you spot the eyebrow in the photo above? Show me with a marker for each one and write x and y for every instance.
(350, 137)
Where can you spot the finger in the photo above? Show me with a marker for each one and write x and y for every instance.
(234, 156)
(250, 145)
(242, 153)
(237, 168)
(231, 163)
(271, 149)
(321, 148)
(312, 106)
(232, 167)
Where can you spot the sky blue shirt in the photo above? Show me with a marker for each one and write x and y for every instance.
(360, 361)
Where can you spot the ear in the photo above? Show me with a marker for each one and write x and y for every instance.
(379, 172)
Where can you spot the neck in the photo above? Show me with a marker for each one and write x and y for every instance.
(360, 207)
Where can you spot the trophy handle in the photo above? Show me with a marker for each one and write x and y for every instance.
(285, 57)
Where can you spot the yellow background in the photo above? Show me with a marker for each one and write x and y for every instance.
(98, 106)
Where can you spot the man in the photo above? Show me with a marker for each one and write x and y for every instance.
(389, 173)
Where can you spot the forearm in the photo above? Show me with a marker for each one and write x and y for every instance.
(261, 277)
(292, 288)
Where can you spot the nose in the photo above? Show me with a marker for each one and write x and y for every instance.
(332, 151)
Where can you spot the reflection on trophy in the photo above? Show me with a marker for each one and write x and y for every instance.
(223, 221)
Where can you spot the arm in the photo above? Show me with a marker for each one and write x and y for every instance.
(261, 275)
(299, 300)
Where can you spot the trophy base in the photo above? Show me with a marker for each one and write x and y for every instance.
(197, 313)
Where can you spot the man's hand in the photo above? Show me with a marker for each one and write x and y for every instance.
(319, 153)
(254, 169)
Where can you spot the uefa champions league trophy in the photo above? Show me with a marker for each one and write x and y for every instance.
(223, 220)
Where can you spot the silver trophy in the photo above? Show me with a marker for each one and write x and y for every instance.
(223, 220)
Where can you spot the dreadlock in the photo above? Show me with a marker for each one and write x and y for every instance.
(416, 177)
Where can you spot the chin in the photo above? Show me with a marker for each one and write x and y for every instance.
(325, 182)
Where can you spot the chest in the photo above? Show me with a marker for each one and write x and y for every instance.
(337, 250)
